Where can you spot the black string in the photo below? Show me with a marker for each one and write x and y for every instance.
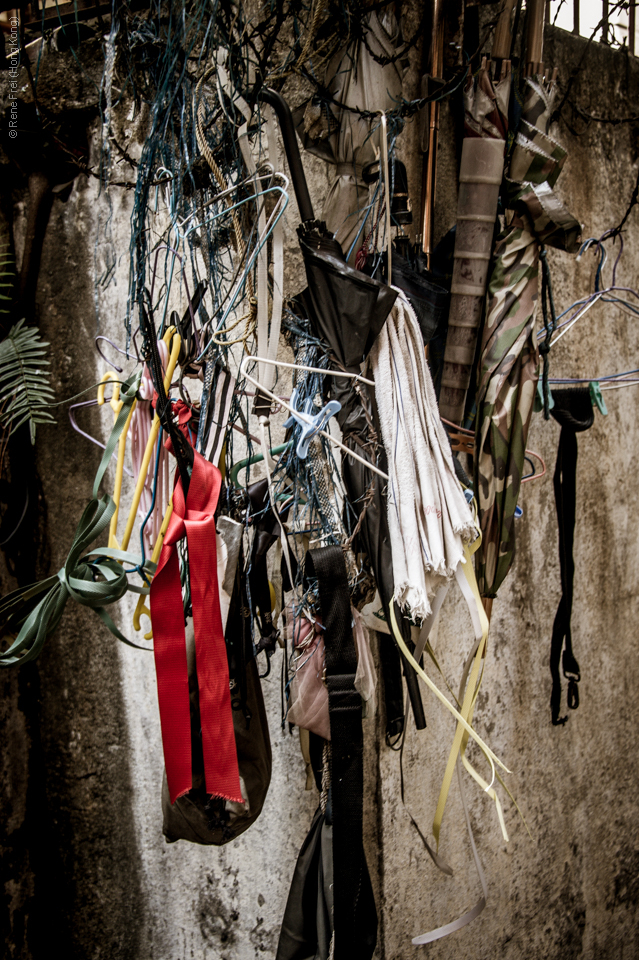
(550, 325)
(181, 448)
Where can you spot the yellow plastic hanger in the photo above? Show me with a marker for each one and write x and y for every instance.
(155, 429)
(116, 405)
(141, 606)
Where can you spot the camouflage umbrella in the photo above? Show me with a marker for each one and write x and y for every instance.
(508, 367)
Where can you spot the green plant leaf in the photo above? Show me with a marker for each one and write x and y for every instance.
(25, 390)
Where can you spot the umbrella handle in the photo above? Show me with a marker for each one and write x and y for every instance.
(285, 117)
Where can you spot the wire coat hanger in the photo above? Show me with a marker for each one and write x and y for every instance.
(339, 374)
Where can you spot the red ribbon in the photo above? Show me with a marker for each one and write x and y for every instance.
(185, 420)
(196, 521)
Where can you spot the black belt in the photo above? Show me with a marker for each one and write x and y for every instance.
(573, 411)
(354, 914)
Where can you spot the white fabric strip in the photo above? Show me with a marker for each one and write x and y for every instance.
(428, 516)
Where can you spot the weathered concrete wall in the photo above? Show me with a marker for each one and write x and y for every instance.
(83, 764)
(571, 891)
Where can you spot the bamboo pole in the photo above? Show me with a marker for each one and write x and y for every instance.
(535, 36)
(429, 182)
(503, 33)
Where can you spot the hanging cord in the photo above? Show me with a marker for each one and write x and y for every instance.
(387, 200)
(182, 450)
(326, 774)
(249, 319)
(550, 325)
(200, 116)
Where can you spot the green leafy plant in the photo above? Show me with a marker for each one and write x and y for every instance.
(25, 390)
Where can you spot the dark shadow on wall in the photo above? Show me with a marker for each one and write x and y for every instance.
(68, 851)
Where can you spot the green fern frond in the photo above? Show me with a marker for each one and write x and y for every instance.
(7, 277)
(25, 390)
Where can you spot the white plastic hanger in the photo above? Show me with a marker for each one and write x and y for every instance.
(302, 416)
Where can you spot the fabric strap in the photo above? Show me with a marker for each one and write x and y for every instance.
(195, 520)
(94, 579)
(466, 699)
(573, 410)
(354, 915)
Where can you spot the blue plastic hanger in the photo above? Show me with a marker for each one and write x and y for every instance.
(318, 421)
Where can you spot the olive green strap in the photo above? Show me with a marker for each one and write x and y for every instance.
(94, 579)
(128, 394)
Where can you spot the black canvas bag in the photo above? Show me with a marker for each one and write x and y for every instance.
(197, 816)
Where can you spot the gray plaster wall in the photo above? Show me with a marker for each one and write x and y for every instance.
(86, 870)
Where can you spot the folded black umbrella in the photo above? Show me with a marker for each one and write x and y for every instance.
(307, 926)
(348, 308)
(428, 298)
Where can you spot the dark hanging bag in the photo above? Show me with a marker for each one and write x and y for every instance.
(197, 816)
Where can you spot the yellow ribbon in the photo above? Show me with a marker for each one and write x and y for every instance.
(465, 576)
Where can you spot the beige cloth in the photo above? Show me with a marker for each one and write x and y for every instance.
(356, 80)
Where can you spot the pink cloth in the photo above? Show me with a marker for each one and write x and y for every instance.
(139, 432)
(309, 693)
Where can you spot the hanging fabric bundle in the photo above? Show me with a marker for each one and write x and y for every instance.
(197, 816)
(365, 76)
(428, 516)
(347, 309)
(309, 708)
(331, 897)
(573, 410)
